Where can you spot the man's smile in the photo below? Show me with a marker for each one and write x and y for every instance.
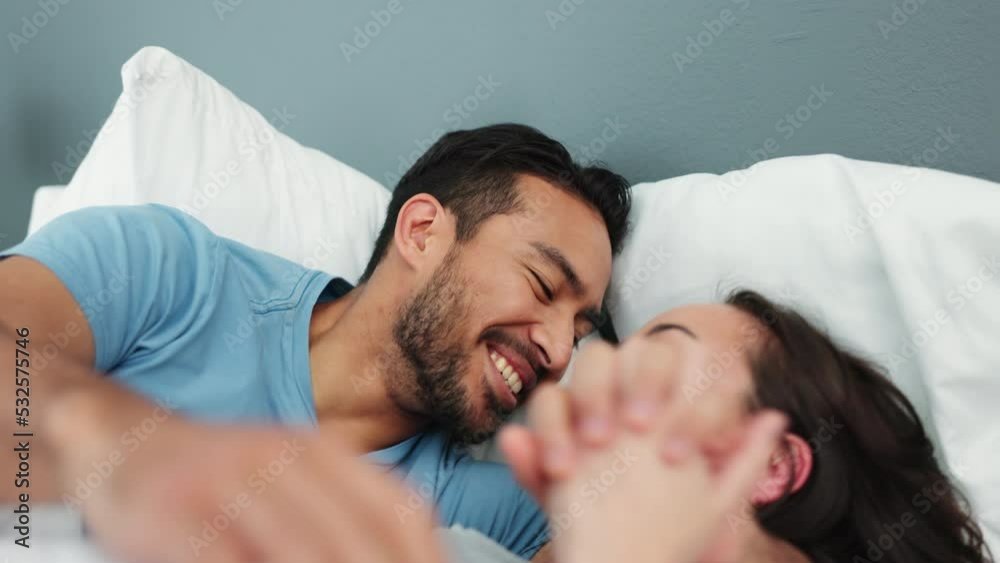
(513, 372)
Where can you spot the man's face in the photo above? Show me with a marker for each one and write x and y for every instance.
(502, 311)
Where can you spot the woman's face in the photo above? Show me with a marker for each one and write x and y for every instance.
(717, 343)
(716, 340)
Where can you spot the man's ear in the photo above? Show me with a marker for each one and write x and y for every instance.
(791, 463)
(423, 230)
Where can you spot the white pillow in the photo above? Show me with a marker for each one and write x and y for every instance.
(44, 206)
(178, 137)
(874, 253)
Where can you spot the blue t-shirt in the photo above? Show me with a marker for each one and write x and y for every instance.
(220, 331)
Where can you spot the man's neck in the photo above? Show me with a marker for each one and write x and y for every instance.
(351, 347)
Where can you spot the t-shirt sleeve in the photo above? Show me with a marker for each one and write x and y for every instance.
(484, 496)
(138, 273)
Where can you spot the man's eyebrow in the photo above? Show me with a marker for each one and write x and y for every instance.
(668, 326)
(555, 257)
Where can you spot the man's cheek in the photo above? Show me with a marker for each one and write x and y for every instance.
(476, 385)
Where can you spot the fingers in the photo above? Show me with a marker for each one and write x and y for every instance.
(262, 496)
(709, 419)
(524, 456)
(676, 445)
(595, 392)
(721, 412)
(550, 416)
(288, 509)
(274, 533)
(381, 511)
(749, 461)
(648, 378)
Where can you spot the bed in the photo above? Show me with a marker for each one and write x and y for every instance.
(900, 263)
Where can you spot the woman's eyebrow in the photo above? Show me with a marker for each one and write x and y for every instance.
(668, 326)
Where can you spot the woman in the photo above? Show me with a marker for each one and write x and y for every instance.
(852, 479)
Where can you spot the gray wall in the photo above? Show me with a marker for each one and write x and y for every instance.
(930, 65)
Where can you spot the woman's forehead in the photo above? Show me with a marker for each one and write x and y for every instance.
(718, 337)
(713, 324)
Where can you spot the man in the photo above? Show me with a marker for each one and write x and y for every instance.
(494, 259)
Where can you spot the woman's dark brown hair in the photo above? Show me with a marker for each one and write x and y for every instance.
(876, 492)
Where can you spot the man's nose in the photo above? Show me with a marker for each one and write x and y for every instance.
(556, 349)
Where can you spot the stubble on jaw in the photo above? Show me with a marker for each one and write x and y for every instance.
(429, 333)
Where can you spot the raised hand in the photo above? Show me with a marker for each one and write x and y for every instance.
(635, 488)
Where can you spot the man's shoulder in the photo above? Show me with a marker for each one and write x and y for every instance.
(271, 282)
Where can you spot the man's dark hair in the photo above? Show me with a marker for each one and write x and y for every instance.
(473, 174)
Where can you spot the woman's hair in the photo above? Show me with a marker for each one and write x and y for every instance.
(875, 492)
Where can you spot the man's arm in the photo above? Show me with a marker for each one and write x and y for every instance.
(74, 298)
(50, 352)
(152, 503)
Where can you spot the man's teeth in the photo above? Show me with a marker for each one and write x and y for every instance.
(512, 378)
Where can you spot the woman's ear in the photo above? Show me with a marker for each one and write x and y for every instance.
(790, 467)
(423, 229)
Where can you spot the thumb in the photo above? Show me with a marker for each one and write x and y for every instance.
(749, 461)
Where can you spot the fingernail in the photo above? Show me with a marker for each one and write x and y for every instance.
(676, 450)
(596, 428)
(641, 411)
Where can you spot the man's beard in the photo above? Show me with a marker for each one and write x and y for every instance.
(429, 333)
